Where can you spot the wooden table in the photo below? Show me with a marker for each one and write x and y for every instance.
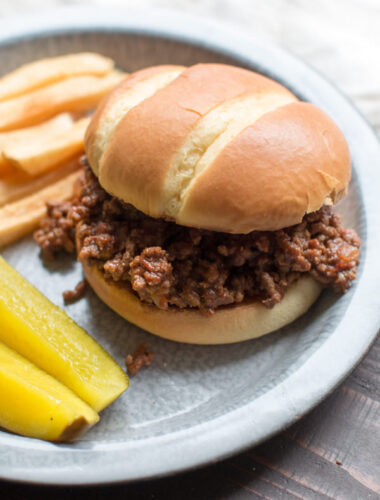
(334, 452)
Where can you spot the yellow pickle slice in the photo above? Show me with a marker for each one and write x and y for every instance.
(44, 334)
(34, 404)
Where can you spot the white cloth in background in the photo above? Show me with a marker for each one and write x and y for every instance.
(341, 38)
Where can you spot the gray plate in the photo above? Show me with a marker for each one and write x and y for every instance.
(197, 404)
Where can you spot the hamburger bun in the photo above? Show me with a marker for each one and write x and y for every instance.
(221, 148)
(225, 326)
(216, 147)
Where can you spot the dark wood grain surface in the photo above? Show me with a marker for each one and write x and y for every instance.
(334, 452)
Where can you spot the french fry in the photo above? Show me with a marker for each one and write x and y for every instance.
(5, 169)
(19, 185)
(47, 71)
(40, 156)
(21, 217)
(75, 94)
(31, 135)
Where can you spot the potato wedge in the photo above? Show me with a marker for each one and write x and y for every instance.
(37, 329)
(34, 404)
(76, 94)
(21, 217)
(30, 135)
(18, 185)
(46, 71)
(40, 156)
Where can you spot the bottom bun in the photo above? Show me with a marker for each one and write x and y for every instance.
(229, 324)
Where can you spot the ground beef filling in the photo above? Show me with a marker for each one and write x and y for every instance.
(175, 266)
(71, 296)
(141, 357)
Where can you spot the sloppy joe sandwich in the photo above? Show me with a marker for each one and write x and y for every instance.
(205, 213)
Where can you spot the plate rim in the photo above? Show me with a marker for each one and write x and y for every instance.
(286, 402)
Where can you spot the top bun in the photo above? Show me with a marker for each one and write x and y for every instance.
(216, 147)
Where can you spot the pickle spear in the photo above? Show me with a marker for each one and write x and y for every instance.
(43, 333)
(34, 404)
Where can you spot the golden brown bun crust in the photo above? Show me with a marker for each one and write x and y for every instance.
(92, 140)
(226, 325)
(281, 183)
(217, 147)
